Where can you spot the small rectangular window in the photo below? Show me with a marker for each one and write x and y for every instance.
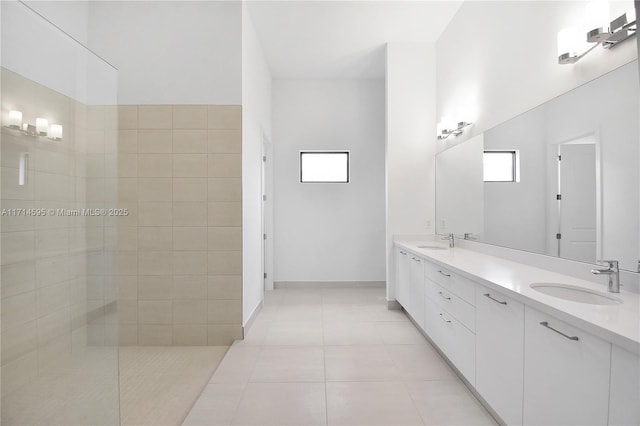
(501, 166)
(324, 166)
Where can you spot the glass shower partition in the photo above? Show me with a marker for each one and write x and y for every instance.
(58, 195)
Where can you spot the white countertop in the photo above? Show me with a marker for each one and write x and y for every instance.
(619, 323)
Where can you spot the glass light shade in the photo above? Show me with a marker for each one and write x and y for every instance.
(42, 125)
(569, 41)
(55, 131)
(597, 15)
(15, 118)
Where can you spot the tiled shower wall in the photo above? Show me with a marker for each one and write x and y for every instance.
(180, 247)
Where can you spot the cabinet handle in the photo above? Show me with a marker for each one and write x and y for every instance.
(404, 253)
(546, 324)
(446, 275)
(495, 300)
(443, 296)
(416, 259)
(444, 319)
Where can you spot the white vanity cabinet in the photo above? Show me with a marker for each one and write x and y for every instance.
(624, 403)
(531, 367)
(566, 373)
(500, 353)
(450, 316)
(410, 284)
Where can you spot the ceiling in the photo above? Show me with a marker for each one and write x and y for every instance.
(342, 39)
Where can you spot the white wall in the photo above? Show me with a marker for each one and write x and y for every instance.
(256, 122)
(70, 68)
(171, 52)
(410, 144)
(72, 17)
(497, 59)
(329, 232)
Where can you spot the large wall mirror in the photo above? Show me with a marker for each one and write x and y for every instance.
(562, 179)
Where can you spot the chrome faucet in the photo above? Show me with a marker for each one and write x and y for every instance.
(613, 272)
(450, 238)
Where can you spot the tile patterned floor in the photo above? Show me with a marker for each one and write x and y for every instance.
(334, 357)
(158, 385)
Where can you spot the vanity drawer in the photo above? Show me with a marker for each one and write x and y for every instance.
(452, 338)
(460, 286)
(461, 310)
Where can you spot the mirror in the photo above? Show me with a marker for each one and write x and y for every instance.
(561, 179)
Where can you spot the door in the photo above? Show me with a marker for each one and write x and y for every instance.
(577, 201)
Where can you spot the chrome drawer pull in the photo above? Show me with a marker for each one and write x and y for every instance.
(416, 259)
(444, 319)
(546, 324)
(403, 252)
(446, 275)
(495, 300)
(443, 296)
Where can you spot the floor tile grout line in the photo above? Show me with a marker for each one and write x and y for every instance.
(324, 364)
(246, 384)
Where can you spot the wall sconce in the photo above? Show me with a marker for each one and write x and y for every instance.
(41, 128)
(444, 130)
(15, 119)
(573, 45)
(55, 132)
(42, 125)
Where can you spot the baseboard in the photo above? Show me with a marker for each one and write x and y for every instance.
(329, 284)
(393, 305)
(247, 326)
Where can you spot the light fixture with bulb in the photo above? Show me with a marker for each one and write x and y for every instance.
(41, 128)
(55, 132)
(15, 119)
(573, 44)
(445, 131)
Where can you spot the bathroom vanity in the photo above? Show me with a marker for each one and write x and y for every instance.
(537, 346)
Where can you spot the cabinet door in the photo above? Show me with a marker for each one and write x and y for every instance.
(451, 337)
(566, 376)
(402, 277)
(500, 353)
(416, 290)
(624, 405)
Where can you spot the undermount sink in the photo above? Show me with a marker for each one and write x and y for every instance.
(575, 294)
(432, 247)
